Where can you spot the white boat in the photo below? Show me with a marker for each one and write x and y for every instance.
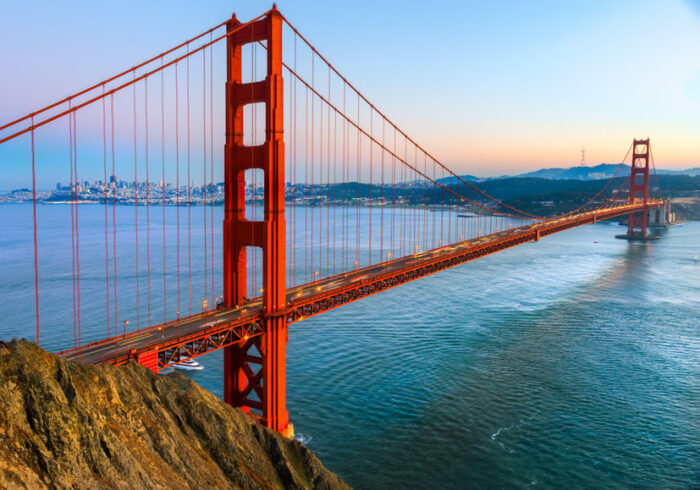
(189, 365)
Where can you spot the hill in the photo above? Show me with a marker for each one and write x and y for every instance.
(68, 425)
(597, 172)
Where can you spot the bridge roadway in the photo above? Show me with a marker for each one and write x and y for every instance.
(198, 334)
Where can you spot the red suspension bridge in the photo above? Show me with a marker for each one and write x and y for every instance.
(325, 201)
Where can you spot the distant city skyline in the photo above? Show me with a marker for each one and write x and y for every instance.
(490, 89)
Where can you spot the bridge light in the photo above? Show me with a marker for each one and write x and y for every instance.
(245, 337)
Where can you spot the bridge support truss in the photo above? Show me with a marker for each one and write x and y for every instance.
(255, 368)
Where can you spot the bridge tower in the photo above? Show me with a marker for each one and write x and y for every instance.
(256, 367)
(639, 188)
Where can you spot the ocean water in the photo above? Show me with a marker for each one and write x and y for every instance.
(573, 362)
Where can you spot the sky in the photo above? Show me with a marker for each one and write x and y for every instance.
(489, 88)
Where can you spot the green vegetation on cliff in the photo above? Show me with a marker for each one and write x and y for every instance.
(64, 424)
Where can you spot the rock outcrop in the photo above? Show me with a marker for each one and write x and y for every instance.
(64, 424)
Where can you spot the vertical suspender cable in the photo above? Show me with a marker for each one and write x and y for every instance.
(211, 166)
(371, 153)
(425, 203)
(177, 187)
(358, 192)
(320, 183)
(432, 241)
(416, 212)
(289, 191)
(381, 209)
(189, 193)
(393, 194)
(162, 149)
(72, 226)
(204, 169)
(335, 186)
(148, 204)
(306, 185)
(320, 189)
(311, 163)
(402, 209)
(36, 254)
(442, 210)
(136, 216)
(328, 179)
(294, 169)
(77, 222)
(104, 198)
(344, 215)
(114, 215)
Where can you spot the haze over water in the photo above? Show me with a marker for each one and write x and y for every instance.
(563, 363)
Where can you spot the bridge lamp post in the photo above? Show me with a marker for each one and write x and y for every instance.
(126, 322)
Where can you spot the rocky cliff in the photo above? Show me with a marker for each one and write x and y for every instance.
(64, 424)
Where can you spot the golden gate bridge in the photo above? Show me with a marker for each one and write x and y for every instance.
(326, 202)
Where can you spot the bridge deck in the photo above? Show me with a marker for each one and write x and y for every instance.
(196, 335)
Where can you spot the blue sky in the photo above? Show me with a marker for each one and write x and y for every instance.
(488, 87)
